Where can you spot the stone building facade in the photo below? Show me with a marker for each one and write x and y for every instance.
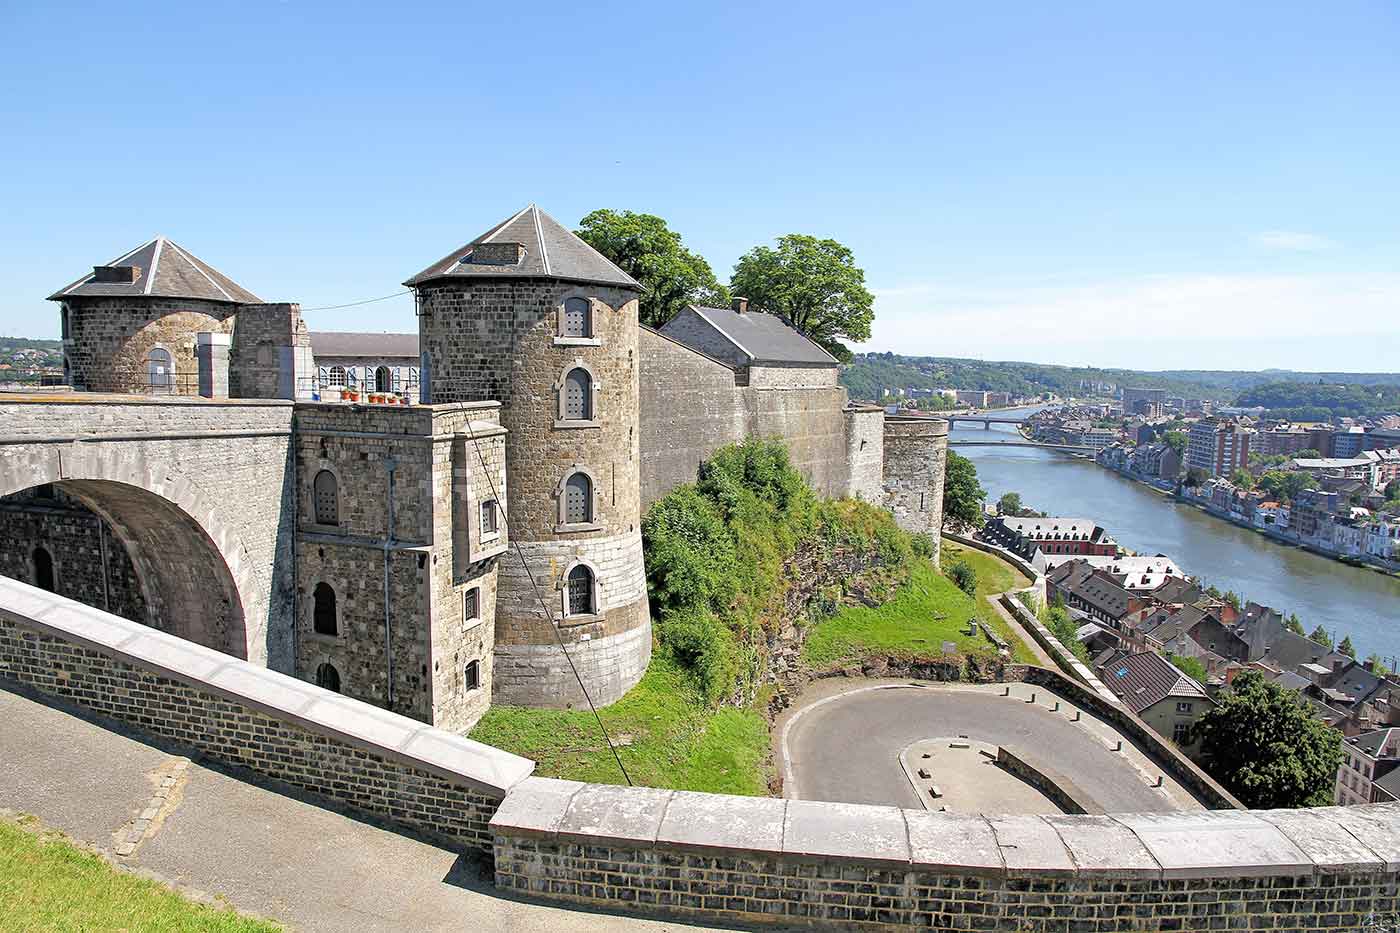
(483, 544)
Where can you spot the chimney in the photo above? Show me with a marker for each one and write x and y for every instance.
(116, 274)
(740, 306)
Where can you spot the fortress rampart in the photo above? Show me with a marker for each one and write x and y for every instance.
(711, 857)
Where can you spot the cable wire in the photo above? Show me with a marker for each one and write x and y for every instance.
(356, 304)
(539, 597)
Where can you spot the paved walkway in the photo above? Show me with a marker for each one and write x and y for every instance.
(843, 741)
(1041, 658)
(269, 854)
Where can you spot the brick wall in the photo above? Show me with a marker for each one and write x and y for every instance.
(388, 767)
(721, 859)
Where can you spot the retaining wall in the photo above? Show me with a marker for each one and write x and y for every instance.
(386, 766)
(726, 859)
(1063, 792)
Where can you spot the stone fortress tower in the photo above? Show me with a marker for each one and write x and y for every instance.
(530, 315)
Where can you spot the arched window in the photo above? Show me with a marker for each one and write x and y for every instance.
(63, 321)
(580, 593)
(578, 318)
(323, 616)
(337, 377)
(160, 372)
(383, 379)
(578, 395)
(471, 675)
(425, 377)
(326, 493)
(328, 677)
(43, 570)
(578, 499)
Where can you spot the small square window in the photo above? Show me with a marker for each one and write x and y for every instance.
(471, 675)
(489, 518)
(1184, 707)
(1181, 733)
(471, 605)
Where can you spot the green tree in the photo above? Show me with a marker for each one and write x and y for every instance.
(1176, 440)
(641, 245)
(1322, 636)
(811, 283)
(1346, 648)
(1009, 504)
(1233, 599)
(962, 494)
(965, 578)
(1264, 744)
(1243, 479)
(1065, 631)
(1191, 667)
(1392, 489)
(1195, 477)
(1294, 624)
(1375, 665)
(1284, 485)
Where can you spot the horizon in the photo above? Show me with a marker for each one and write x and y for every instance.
(1108, 188)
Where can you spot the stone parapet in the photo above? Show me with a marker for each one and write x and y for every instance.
(379, 763)
(736, 859)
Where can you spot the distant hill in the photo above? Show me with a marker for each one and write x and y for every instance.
(869, 373)
(29, 343)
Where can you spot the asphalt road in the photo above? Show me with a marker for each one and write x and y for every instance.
(847, 748)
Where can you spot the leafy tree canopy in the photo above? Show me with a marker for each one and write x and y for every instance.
(962, 494)
(652, 253)
(1176, 440)
(811, 283)
(1264, 744)
(1294, 624)
(1346, 648)
(1322, 636)
(1009, 504)
(1191, 667)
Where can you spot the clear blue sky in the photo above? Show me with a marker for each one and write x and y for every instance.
(1162, 185)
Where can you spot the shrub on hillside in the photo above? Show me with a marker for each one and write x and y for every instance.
(922, 546)
(962, 574)
(689, 553)
(706, 646)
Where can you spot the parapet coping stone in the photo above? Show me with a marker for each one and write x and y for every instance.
(1123, 846)
(287, 699)
(43, 396)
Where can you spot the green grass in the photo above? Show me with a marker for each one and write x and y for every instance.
(49, 884)
(994, 575)
(924, 613)
(671, 738)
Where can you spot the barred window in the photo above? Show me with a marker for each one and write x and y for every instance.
(337, 377)
(581, 591)
(326, 493)
(578, 499)
(471, 605)
(578, 395)
(577, 319)
(489, 519)
(471, 675)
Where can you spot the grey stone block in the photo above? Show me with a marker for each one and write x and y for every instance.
(953, 841)
(604, 814)
(535, 807)
(724, 824)
(846, 831)
(1216, 844)
(1031, 846)
(1331, 847)
(1378, 825)
(1102, 847)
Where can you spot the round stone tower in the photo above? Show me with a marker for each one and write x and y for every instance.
(155, 320)
(531, 316)
(916, 454)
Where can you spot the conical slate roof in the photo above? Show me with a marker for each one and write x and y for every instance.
(161, 270)
(548, 249)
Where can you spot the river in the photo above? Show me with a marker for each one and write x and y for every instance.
(1342, 599)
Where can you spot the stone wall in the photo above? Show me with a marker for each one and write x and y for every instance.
(865, 453)
(502, 340)
(1063, 792)
(208, 481)
(718, 859)
(109, 340)
(271, 353)
(406, 547)
(90, 563)
(384, 766)
(916, 453)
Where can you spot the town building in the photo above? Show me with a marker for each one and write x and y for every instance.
(1160, 695)
(1080, 537)
(1218, 446)
(1370, 768)
(1146, 402)
(365, 362)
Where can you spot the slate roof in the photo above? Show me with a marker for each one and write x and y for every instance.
(1371, 742)
(1095, 587)
(764, 338)
(552, 251)
(1144, 679)
(164, 270)
(330, 344)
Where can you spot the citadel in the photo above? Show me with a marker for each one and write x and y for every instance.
(423, 522)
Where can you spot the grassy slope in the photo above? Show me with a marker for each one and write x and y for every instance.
(47, 883)
(675, 741)
(926, 612)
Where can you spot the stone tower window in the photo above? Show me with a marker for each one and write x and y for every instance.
(325, 490)
(323, 614)
(337, 377)
(578, 395)
(490, 519)
(43, 570)
(471, 676)
(578, 500)
(580, 592)
(328, 677)
(578, 318)
(471, 605)
(383, 379)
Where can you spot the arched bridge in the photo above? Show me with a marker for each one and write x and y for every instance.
(1073, 448)
(198, 493)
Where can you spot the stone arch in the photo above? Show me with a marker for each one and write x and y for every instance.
(561, 387)
(192, 565)
(566, 615)
(561, 497)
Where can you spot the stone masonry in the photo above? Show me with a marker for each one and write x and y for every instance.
(916, 453)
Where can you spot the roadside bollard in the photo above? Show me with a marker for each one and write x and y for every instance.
(1076, 716)
(1006, 691)
(1032, 699)
(1057, 707)
(1118, 747)
(1159, 781)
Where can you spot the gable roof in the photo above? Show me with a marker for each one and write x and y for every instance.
(328, 344)
(162, 270)
(1144, 679)
(550, 251)
(764, 338)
